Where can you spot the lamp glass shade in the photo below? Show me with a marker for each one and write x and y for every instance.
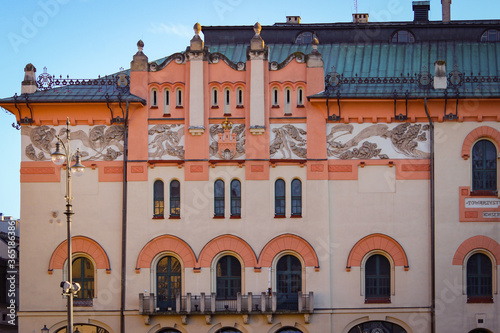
(58, 157)
(45, 329)
(78, 168)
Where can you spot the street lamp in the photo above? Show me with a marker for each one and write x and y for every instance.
(63, 154)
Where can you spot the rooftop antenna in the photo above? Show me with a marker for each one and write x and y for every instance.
(356, 6)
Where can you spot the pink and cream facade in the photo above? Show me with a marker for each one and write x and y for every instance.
(246, 193)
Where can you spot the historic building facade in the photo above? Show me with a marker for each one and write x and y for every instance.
(287, 178)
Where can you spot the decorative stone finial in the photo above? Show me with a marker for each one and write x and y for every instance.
(197, 28)
(315, 43)
(257, 28)
(140, 60)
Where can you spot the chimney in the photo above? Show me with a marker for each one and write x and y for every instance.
(293, 20)
(359, 18)
(421, 9)
(446, 10)
(28, 86)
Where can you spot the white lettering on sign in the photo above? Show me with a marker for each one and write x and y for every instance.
(491, 215)
(481, 203)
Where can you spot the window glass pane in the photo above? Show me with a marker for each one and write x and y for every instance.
(175, 198)
(158, 198)
(296, 197)
(479, 275)
(235, 197)
(484, 166)
(279, 197)
(219, 205)
(377, 277)
(228, 277)
(83, 274)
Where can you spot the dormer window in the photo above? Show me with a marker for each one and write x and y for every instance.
(492, 35)
(305, 37)
(402, 37)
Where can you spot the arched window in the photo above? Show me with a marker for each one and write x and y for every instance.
(239, 97)
(154, 97)
(235, 198)
(219, 205)
(168, 283)
(484, 167)
(288, 282)
(159, 203)
(166, 101)
(377, 279)
(377, 326)
(83, 273)
(491, 35)
(403, 36)
(169, 330)
(228, 330)
(178, 101)
(279, 198)
(479, 279)
(228, 277)
(227, 101)
(215, 97)
(288, 101)
(296, 197)
(300, 96)
(175, 198)
(289, 330)
(275, 98)
(305, 37)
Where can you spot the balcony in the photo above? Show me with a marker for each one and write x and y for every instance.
(203, 304)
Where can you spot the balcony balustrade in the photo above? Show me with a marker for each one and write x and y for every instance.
(242, 304)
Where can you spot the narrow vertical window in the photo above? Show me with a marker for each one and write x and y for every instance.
(83, 274)
(227, 102)
(288, 101)
(239, 96)
(479, 279)
(279, 198)
(166, 99)
(158, 199)
(484, 167)
(377, 279)
(300, 96)
(296, 197)
(175, 199)
(219, 205)
(215, 97)
(154, 97)
(235, 198)
(178, 102)
(274, 97)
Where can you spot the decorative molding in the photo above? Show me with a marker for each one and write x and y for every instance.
(233, 137)
(473, 136)
(473, 243)
(288, 141)
(38, 171)
(108, 170)
(166, 142)
(288, 242)
(80, 244)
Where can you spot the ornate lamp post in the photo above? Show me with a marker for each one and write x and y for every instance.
(64, 154)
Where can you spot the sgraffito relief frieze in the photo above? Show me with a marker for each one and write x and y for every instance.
(288, 141)
(96, 143)
(166, 142)
(378, 141)
(227, 141)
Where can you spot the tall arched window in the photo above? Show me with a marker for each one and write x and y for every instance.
(215, 97)
(83, 273)
(219, 205)
(178, 101)
(484, 167)
(288, 282)
(159, 203)
(288, 101)
(289, 330)
(228, 330)
(168, 282)
(227, 101)
(175, 198)
(279, 198)
(154, 97)
(228, 277)
(377, 279)
(235, 198)
(296, 197)
(166, 101)
(300, 96)
(377, 326)
(239, 97)
(275, 98)
(479, 279)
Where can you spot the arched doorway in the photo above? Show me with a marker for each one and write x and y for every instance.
(288, 282)
(377, 327)
(168, 282)
(84, 328)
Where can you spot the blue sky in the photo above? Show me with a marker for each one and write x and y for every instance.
(87, 38)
